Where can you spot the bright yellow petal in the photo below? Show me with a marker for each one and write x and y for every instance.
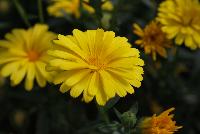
(78, 88)
(76, 77)
(18, 75)
(108, 86)
(93, 85)
(30, 77)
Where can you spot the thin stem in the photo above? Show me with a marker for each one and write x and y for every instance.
(22, 13)
(40, 11)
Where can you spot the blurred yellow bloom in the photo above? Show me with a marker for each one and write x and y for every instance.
(161, 124)
(4, 6)
(180, 20)
(153, 40)
(107, 5)
(25, 55)
(60, 7)
(96, 63)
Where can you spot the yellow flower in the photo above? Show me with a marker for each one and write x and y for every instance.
(25, 55)
(153, 40)
(97, 64)
(60, 7)
(4, 6)
(161, 124)
(107, 5)
(180, 20)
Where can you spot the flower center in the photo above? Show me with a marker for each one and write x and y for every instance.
(97, 62)
(33, 55)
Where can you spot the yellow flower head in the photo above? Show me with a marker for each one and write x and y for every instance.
(161, 124)
(107, 5)
(25, 55)
(97, 64)
(153, 40)
(60, 7)
(180, 20)
(4, 6)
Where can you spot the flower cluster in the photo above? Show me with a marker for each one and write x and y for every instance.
(96, 64)
(82, 62)
(61, 7)
(174, 20)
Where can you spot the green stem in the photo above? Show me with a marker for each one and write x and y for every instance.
(40, 11)
(22, 13)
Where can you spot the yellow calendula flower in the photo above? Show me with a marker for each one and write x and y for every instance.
(180, 20)
(25, 56)
(97, 64)
(161, 124)
(107, 5)
(60, 7)
(153, 40)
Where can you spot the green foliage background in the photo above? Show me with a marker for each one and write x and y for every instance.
(171, 82)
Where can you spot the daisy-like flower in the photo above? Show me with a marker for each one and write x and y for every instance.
(97, 64)
(24, 55)
(107, 5)
(153, 40)
(60, 7)
(180, 20)
(161, 124)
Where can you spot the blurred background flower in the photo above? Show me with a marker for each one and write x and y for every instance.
(25, 55)
(153, 40)
(180, 20)
(60, 8)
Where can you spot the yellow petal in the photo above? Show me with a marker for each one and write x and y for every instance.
(138, 30)
(62, 76)
(41, 68)
(81, 39)
(68, 65)
(101, 97)
(69, 44)
(10, 68)
(108, 86)
(30, 77)
(78, 88)
(179, 39)
(76, 77)
(122, 84)
(93, 85)
(63, 55)
(18, 75)
(40, 79)
(64, 88)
